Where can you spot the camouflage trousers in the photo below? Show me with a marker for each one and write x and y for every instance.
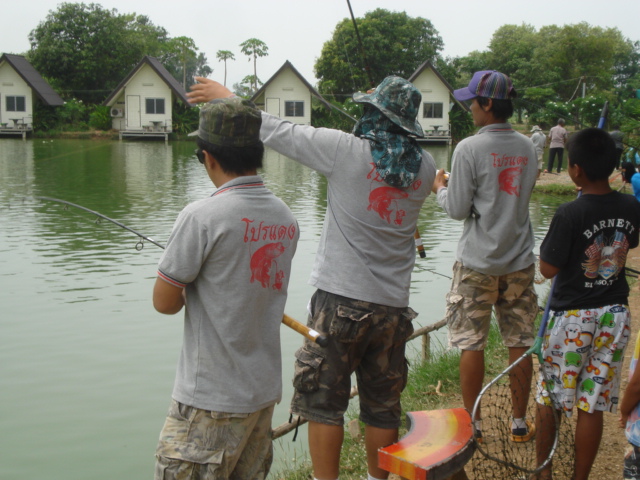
(198, 444)
(474, 296)
(365, 338)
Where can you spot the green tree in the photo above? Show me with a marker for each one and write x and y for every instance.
(247, 86)
(184, 53)
(394, 44)
(254, 48)
(86, 50)
(576, 51)
(551, 66)
(223, 56)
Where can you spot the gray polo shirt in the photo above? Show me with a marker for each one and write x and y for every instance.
(232, 252)
(492, 176)
(367, 249)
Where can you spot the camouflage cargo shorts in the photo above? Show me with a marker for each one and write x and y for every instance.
(365, 338)
(473, 297)
(205, 445)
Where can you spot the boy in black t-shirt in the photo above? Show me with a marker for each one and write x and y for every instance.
(588, 328)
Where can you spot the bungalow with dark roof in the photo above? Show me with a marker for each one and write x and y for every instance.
(20, 86)
(142, 105)
(437, 99)
(288, 95)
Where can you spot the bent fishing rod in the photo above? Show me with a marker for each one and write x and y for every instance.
(302, 329)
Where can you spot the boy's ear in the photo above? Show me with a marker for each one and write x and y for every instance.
(209, 160)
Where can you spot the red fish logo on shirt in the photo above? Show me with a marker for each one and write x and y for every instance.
(509, 180)
(263, 261)
(380, 200)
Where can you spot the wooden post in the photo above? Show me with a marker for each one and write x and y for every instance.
(426, 347)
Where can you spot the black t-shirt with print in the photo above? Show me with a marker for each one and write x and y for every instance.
(588, 240)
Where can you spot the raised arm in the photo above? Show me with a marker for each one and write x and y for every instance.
(206, 90)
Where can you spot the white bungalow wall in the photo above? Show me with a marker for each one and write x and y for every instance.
(145, 83)
(287, 87)
(433, 91)
(13, 85)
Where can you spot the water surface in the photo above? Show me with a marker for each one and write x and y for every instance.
(86, 364)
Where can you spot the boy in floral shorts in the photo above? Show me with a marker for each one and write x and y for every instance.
(588, 329)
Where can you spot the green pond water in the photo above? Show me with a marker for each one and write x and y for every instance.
(86, 364)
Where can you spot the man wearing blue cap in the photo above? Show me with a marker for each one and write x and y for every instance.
(377, 180)
(492, 176)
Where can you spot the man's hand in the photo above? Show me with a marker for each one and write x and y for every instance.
(206, 90)
(439, 181)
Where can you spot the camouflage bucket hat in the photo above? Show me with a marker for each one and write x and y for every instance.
(398, 100)
(230, 122)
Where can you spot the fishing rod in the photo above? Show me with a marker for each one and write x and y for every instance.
(307, 332)
(364, 55)
(416, 236)
(139, 245)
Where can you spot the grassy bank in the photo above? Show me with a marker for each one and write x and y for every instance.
(431, 385)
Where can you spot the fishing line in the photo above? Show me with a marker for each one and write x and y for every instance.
(139, 245)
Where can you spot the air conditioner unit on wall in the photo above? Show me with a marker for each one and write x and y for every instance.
(117, 112)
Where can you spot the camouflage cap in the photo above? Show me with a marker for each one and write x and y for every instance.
(230, 122)
(399, 101)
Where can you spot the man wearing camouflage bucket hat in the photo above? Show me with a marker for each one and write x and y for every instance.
(233, 282)
(492, 176)
(378, 178)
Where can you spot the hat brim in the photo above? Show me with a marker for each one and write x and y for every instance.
(410, 126)
(464, 94)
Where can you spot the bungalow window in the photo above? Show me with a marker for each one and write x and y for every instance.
(432, 110)
(294, 109)
(155, 105)
(16, 104)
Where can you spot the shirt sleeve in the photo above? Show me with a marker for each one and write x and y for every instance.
(185, 251)
(314, 147)
(457, 199)
(557, 243)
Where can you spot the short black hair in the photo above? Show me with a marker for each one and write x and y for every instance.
(594, 150)
(502, 108)
(237, 160)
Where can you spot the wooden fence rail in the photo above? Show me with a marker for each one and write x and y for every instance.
(424, 332)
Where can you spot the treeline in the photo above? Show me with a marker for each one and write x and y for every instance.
(567, 71)
(559, 71)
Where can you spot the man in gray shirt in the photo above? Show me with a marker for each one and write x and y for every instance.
(228, 262)
(492, 176)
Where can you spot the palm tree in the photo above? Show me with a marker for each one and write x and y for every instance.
(223, 56)
(254, 48)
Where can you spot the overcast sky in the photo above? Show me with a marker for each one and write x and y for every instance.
(295, 30)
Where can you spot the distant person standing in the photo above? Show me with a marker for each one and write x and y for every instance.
(539, 140)
(557, 138)
(618, 136)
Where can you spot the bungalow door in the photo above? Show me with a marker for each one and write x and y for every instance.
(134, 121)
(273, 106)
